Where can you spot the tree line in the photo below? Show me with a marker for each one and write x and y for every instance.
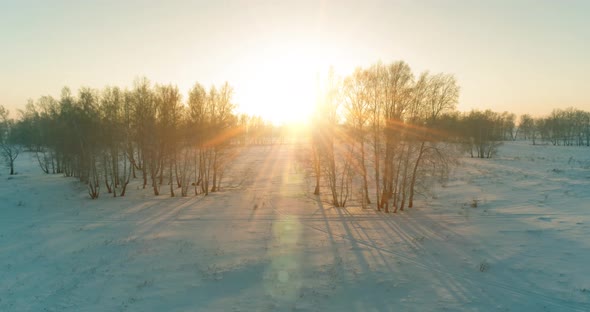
(107, 137)
(566, 127)
(481, 132)
(381, 135)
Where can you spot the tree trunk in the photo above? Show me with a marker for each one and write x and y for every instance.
(161, 175)
(214, 182)
(405, 179)
(318, 175)
(377, 169)
(414, 172)
(316, 167)
(170, 178)
(106, 175)
(396, 186)
(364, 172)
(178, 182)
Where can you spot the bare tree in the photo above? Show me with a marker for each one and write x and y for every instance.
(432, 97)
(357, 116)
(169, 111)
(526, 126)
(223, 125)
(398, 81)
(9, 148)
(326, 133)
(376, 120)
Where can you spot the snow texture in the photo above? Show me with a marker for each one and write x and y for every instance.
(506, 234)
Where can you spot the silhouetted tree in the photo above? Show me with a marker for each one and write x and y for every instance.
(9, 146)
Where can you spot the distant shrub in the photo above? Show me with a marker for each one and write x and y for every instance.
(484, 266)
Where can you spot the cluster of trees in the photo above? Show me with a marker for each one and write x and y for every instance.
(385, 134)
(106, 137)
(378, 133)
(479, 132)
(382, 128)
(482, 132)
(255, 130)
(569, 127)
(566, 127)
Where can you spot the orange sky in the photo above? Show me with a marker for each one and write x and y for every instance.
(520, 56)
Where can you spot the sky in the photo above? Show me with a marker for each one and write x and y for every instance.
(518, 56)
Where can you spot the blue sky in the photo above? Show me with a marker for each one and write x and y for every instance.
(521, 56)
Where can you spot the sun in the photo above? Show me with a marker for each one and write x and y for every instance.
(283, 89)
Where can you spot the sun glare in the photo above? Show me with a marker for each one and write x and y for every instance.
(283, 89)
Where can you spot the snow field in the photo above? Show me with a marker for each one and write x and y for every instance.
(264, 243)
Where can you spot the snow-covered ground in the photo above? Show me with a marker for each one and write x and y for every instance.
(265, 244)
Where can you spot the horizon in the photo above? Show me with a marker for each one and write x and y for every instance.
(312, 155)
(271, 52)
